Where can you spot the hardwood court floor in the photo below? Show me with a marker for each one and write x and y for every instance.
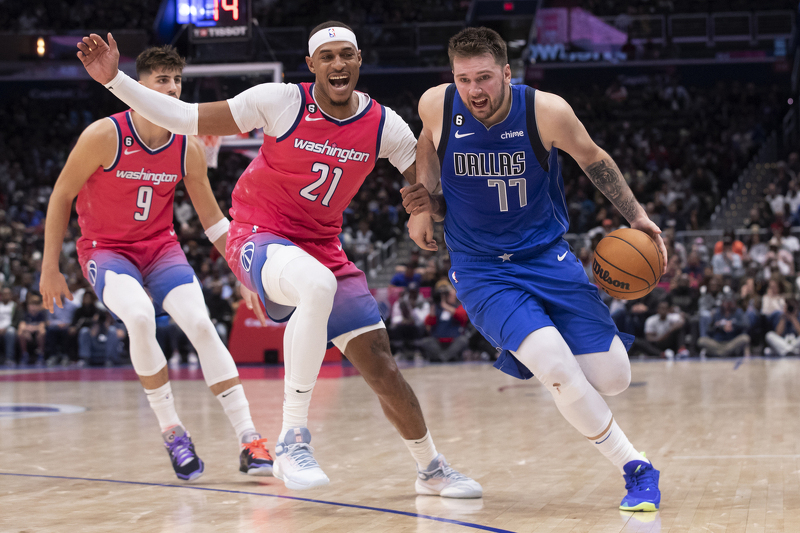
(723, 433)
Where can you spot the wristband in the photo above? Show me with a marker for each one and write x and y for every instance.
(218, 230)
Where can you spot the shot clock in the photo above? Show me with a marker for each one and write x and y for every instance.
(216, 20)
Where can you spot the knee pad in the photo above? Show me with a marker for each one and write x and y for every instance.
(306, 276)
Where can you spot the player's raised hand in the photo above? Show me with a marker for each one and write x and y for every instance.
(100, 60)
(648, 226)
(253, 303)
(420, 229)
(416, 199)
(53, 286)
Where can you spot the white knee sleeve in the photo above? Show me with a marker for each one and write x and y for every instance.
(125, 297)
(547, 355)
(608, 372)
(187, 307)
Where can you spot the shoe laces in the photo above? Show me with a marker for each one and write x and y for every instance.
(301, 454)
(445, 471)
(181, 450)
(258, 449)
(643, 479)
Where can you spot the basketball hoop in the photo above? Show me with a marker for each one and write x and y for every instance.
(211, 144)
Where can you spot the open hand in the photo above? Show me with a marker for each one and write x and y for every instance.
(253, 303)
(53, 286)
(101, 60)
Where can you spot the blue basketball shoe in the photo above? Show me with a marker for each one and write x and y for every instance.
(188, 466)
(641, 482)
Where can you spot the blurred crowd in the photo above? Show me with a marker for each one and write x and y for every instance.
(667, 7)
(679, 147)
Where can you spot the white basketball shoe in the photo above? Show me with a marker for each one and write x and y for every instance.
(440, 479)
(295, 464)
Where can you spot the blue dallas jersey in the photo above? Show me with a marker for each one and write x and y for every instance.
(503, 189)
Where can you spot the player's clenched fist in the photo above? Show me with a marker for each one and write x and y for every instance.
(417, 199)
(101, 60)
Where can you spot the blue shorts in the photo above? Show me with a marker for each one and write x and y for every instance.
(353, 305)
(507, 300)
(159, 276)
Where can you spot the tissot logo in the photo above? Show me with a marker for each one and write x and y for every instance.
(332, 150)
(91, 267)
(248, 251)
(512, 134)
(603, 274)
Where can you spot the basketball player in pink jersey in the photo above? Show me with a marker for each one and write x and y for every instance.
(124, 170)
(321, 140)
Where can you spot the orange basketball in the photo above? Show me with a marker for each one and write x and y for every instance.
(627, 264)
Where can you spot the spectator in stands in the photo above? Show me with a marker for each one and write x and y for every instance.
(446, 337)
(775, 199)
(773, 302)
(8, 314)
(737, 246)
(406, 277)
(408, 319)
(219, 309)
(710, 299)
(727, 334)
(32, 327)
(727, 263)
(757, 250)
(362, 244)
(664, 333)
(785, 338)
(694, 269)
(778, 260)
(58, 341)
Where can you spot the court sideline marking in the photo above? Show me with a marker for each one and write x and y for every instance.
(309, 500)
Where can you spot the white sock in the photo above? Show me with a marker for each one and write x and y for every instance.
(295, 407)
(163, 404)
(236, 406)
(423, 450)
(616, 447)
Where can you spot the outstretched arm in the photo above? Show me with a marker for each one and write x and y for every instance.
(560, 128)
(101, 61)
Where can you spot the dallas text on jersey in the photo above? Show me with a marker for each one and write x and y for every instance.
(489, 164)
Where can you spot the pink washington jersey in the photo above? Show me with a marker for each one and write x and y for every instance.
(300, 183)
(132, 200)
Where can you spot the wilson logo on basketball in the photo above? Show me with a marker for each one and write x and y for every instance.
(601, 273)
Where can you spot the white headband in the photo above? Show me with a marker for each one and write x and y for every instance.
(328, 35)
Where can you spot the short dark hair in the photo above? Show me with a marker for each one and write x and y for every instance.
(472, 42)
(329, 24)
(157, 57)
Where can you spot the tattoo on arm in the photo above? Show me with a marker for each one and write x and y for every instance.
(607, 177)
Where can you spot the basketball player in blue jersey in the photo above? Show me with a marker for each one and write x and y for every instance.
(505, 215)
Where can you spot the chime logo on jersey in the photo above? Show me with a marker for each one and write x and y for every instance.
(489, 164)
(91, 267)
(146, 175)
(248, 251)
(333, 150)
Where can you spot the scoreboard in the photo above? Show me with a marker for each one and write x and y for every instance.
(216, 20)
